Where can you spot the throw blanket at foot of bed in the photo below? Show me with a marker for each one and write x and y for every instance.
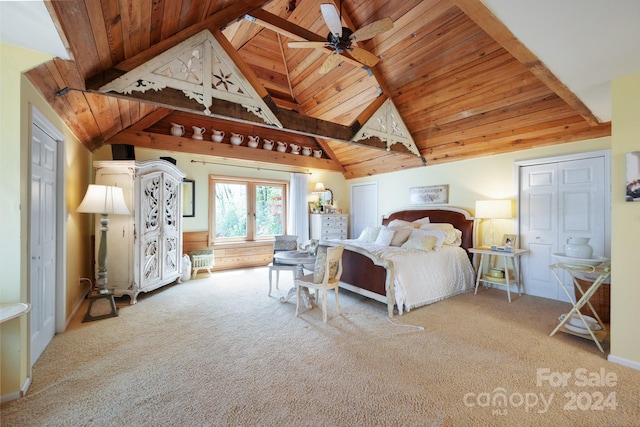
(419, 278)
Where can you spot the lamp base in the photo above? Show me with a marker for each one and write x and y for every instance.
(101, 306)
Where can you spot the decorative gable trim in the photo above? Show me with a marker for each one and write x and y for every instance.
(202, 70)
(387, 125)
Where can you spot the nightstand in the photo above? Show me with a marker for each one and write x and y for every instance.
(508, 280)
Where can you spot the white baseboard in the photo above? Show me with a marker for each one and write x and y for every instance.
(624, 362)
(18, 394)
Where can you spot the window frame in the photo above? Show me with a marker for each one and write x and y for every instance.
(251, 184)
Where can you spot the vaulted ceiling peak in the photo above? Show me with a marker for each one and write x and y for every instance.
(202, 70)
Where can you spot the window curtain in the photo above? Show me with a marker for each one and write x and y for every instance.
(298, 223)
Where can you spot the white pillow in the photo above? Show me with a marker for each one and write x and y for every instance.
(400, 236)
(452, 236)
(422, 221)
(440, 235)
(385, 236)
(369, 234)
(421, 242)
(400, 223)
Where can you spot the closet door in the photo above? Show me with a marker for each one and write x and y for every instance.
(364, 207)
(559, 200)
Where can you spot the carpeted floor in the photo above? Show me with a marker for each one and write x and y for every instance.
(219, 352)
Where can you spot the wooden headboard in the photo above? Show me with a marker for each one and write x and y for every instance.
(457, 217)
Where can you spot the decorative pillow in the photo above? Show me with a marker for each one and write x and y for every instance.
(448, 228)
(369, 234)
(458, 239)
(385, 236)
(421, 242)
(440, 235)
(422, 221)
(399, 223)
(400, 236)
(320, 266)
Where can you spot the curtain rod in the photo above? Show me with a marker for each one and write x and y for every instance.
(249, 167)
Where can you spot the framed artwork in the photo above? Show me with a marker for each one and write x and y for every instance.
(632, 189)
(188, 198)
(433, 194)
(510, 240)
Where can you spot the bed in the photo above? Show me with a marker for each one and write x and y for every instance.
(408, 278)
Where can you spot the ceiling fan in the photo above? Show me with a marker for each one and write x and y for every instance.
(340, 39)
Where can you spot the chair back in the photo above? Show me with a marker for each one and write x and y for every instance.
(334, 263)
(285, 242)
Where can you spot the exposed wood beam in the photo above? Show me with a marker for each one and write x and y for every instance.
(486, 20)
(157, 141)
(151, 119)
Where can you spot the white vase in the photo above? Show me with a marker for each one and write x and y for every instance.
(578, 247)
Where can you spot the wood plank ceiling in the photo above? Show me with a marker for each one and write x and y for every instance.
(462, 84)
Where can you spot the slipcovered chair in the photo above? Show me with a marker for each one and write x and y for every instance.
(326, 275)
(285, 242)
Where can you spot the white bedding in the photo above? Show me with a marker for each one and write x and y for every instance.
(421, 277)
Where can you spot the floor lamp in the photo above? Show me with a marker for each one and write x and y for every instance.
(103, 200)
(492, 209)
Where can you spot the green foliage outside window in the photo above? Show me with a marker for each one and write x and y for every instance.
(232, 205)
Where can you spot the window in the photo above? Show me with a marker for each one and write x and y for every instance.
(246, 210)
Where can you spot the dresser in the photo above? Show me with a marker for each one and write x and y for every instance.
(328, 226)
(144, 249)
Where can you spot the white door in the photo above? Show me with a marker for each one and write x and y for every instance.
(364, 207)
(43, 241)
(559, 200)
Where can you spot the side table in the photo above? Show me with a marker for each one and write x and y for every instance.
(602, 272)
(299, 259)
(514, 256)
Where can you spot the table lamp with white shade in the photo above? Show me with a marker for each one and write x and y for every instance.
(492, 209)
(104, 200)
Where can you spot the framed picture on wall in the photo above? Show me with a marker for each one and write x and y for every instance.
(429, 195)
(633, 177)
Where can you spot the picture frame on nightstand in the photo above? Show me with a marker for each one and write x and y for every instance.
(510, 240)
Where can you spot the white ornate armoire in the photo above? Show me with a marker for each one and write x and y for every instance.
(144, 249)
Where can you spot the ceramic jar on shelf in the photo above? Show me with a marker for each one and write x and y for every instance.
(198, 133)
(177, 129)
(281, 147)
(236, 138)
(267, 144)
(253, 141)
(295, 149)
(217, 135)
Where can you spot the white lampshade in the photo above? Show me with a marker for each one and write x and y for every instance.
(493, 209)
(319, 187)
(104, 199)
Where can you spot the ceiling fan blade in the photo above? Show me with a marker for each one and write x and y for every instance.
(364, 56)
(330, 63)
(315, 45)
(372, 30)
(332, 19)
